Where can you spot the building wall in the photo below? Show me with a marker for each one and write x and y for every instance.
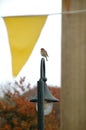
(73, 94)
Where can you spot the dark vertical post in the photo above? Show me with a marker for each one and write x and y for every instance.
(40, 105)
(40, 92)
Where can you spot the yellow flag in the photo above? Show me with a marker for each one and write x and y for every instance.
(23, 33)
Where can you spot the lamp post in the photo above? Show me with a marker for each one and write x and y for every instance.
(44, 99)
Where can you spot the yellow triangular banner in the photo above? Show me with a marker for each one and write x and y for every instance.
(23, 33)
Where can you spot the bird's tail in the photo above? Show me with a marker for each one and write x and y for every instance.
(46, 59)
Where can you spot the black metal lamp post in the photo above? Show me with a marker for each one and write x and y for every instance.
(44, 97)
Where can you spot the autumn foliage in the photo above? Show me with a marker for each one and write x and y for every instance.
(18, 113)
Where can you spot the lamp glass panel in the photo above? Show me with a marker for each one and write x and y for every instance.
(47, 107)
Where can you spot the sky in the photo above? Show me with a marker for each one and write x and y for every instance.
(50, 39)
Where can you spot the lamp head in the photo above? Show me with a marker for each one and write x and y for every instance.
(49, 99)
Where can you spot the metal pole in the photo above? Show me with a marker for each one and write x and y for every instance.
(40, 89)
(40, 92)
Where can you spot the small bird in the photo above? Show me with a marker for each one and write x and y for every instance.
(44, 53)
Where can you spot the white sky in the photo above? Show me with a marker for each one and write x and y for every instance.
(29, 7)
(50, 39)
